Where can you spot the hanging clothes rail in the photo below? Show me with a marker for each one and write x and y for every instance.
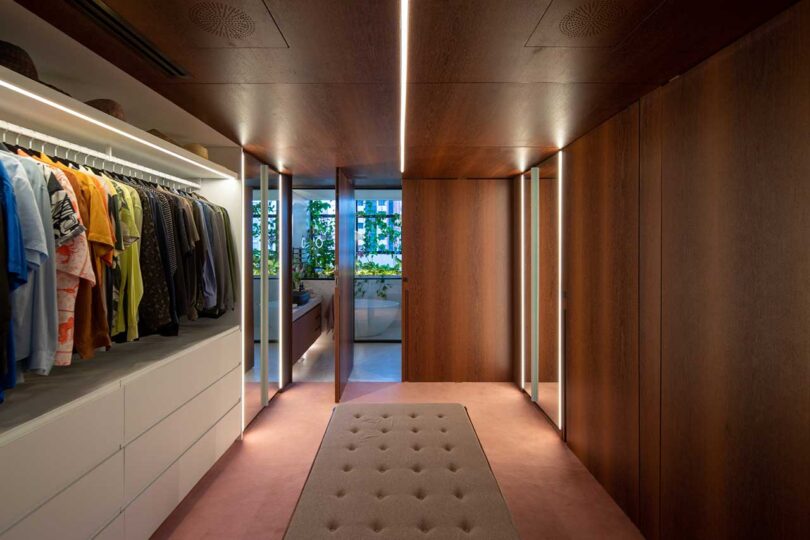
(91, 157)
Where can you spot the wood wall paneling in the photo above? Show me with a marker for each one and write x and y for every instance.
(549, 257)
(345, 224)
(601, 280)
(735, 372)
(650, 315)
(457, 257)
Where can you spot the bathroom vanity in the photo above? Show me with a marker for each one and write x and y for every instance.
(306, 326)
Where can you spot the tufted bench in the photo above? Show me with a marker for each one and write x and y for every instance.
(396, 471)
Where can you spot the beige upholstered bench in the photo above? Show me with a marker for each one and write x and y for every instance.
(398, 471)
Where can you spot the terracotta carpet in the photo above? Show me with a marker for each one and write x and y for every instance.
(251, 492)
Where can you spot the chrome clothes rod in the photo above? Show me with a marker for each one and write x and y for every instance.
(126, 167)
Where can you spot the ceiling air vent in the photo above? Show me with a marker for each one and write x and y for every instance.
(222, 20)
(109, 20)
(591, 19)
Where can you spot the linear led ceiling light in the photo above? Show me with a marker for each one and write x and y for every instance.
(404, 9)
(103, 125)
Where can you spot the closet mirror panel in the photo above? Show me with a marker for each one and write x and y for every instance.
(547, 371)
(262, 317)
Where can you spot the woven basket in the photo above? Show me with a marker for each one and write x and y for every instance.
(113, 108)
(198, 149)
(16, 59)
(160, 135)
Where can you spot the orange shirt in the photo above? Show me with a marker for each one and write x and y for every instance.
(91, 327)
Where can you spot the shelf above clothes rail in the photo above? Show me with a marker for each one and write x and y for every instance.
(34, 140)
(36, 107)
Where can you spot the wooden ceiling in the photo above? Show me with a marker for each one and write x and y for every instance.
(494, 86)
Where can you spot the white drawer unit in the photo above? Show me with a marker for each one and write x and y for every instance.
(53, 453)
(115, 462)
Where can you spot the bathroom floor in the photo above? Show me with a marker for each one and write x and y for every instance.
(373, 362)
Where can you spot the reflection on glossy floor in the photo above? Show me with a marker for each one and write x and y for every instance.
(251, 492)
(373, 362)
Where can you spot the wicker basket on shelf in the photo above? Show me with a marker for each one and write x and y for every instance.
(16, 59)
(109, 106)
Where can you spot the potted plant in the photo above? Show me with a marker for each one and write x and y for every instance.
(299, 295)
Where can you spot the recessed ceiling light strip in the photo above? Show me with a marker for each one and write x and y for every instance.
(403, 78)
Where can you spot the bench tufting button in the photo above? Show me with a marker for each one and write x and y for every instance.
(448, 448)
(440, 415)
(347, 468)
(383, 447)
(382, 468)
(357, 415)
(416, 448)
(354, 430)
(420, 494)
(465, 526)
(340, 494)
(351, 448)
(384, 430)
(385, 415)
(452, 468)
(443, 430)
(376, 527)
(417, 469)
(459, 495)
(332, 526)
(413, 415)
(423, 526)
(380, 495)
(415, 430)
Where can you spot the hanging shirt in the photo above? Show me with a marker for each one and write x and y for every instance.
(131, 292)
(35, 304)
(9, 238)
(29, 301)
(72, 259)
(91, 329)
(209, 278)
(153, 311)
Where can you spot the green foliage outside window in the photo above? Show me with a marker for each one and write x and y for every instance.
(382, 235)
(272, 236)
(318, 258)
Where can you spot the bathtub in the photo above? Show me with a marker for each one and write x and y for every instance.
(373, 316)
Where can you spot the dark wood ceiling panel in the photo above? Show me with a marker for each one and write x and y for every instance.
(490, 41)
(315, 84)
(594, 23)
(510, 114)
(204, 24)
(472, 161)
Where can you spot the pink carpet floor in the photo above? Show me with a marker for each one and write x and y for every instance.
(251, 492)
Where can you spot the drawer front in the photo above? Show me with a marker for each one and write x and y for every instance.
(151, 397)
(48, 459)
(305, 331)
(150, 454)
(113, 531)
(153, 506)
(81, 510)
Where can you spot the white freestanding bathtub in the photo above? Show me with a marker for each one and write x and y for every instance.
(373, 316)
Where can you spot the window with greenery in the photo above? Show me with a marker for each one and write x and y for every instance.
(318, 256)
(272, 237)
(379, 238)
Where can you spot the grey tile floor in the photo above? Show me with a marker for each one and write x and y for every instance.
(373, 362)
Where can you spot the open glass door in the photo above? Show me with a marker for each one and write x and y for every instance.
(344, 281)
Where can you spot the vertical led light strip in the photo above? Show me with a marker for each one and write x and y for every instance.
(243, 309)
(281, 239)
(534, 240)
(560, 329)
(404, 9)
(523, 282)
(264, 323)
